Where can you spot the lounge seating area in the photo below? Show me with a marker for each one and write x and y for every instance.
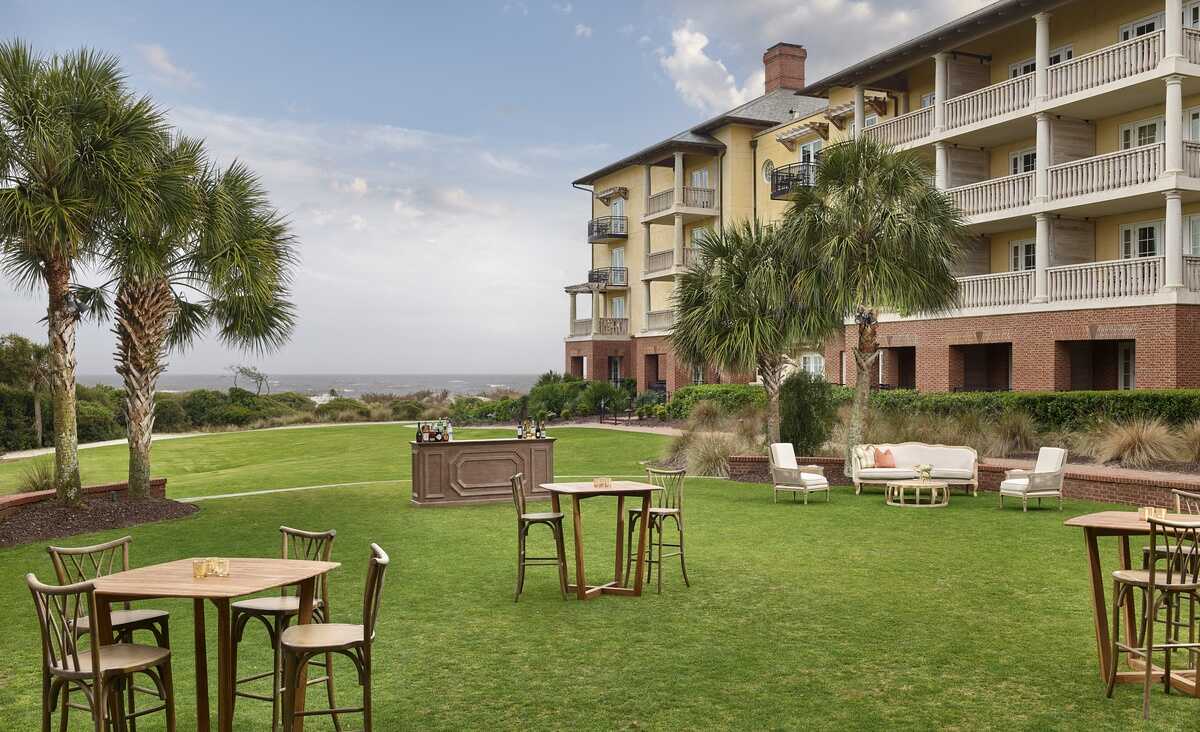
(882, 464)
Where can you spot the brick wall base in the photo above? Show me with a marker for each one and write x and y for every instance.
(8, 504)
(1149, 492)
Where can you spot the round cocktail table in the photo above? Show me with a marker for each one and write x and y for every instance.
(909, 494)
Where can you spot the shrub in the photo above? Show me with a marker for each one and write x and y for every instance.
(97, 422)
(1015, 432)
(555, 396)
(37, 476)
(202, 406)
(705, 415)
(169, 414)
(1138, 443)
(650, 398)
(234, 415)
(729, 397)
(707, 453)
(1189, 437)
(807, 411)
(406, 409)
(660, 412)
(294, 401)
(343, 406)
(599, 394)
(16, 419)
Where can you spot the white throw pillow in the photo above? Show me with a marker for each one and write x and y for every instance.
(866, 456)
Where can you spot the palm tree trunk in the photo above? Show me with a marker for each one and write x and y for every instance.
(37, 413)
(61, 333)
(144, 311)
(770, 378)
(864, 356)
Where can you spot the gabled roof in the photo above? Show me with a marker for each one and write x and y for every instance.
(988, 19)
(768, 110)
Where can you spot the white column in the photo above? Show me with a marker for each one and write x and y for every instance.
(1174, 114)
(941, 162)
(574, 310)
(597, 312)
(940, 89)
(1174, 12)
(646, 198)
(678, 179)
(1042, 252)
(1041, 176)
(1041, 55)
(646, 294)
(678, 240)
(860, 110)
(1174, 235)
(645, 247)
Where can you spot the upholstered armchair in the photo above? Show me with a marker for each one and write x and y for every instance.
(789, 477)
(1044, 481)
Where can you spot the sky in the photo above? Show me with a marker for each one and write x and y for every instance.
(423, 151)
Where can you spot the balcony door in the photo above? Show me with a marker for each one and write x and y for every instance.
(1191, 14)
(808, 152)
(616, 307)
(1024, 255)
(616, 258)
(1144, 132)
(1147, 25)
(1023, 161)
(1141, 240)
(1126, 362)
(700, 178)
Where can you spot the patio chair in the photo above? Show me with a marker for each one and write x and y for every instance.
(277, 612)
(1178, 618)
(788, 477)
(1044, 481)
(1179, 576)
(525, 520)
(83, 563)
(73, 660)
(670, 506)
(300, 643)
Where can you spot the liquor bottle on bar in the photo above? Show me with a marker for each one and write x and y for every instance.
(520, 430)
(418, 437)
(449, 431)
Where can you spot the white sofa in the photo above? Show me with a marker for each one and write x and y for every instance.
(1044, 481)
(953, 465)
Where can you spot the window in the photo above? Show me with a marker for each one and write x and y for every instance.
(1126, 358)
(1141, 240)
(809, 151)
(697, 374)
(928, 100)
(1022, 161)
(1142, 27)
(618, 207)
(1144, 132)
(700, 178)
(768, 169)
(698, 234)
(1029, 65)
(616, 258)
(1024, 255)
(813, 363)
(870, 120)
(616, 307)
(1191, 120)
(1193, 225)
(614, 369)
(1191, 15)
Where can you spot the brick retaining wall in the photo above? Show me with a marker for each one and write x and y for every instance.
(9, 503)
(1148, 491)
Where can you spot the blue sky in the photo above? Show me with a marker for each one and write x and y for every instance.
(424, 150)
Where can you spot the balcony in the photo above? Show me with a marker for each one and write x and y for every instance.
(787, 178)
(903, 129)
(609, 277)
(991, 290)
(695, 203)
(604, 327)
(1094, 280)
(981, 105)
(1107, 65)
(608, 228)
(1112, 171)
(662, 263)
(994, 196)
(660, 320)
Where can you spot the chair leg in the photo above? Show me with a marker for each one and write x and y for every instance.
(682, 562)
(65, 712)
(561, 551)
(1116, 639)
(337, 724)
(1150, 607)
(168, 683)
(520, 561)
(367, 722)
(629, 547)
(100, 707)
(661, 526)
(290, 676)
(47, 700)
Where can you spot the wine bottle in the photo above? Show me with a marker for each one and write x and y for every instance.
(449, 431)
(520, 430)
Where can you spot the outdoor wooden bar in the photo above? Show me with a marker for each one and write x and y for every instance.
(478, 471)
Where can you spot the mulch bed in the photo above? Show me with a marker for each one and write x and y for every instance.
(49, 519)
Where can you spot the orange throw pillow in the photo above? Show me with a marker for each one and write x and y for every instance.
(884, 459)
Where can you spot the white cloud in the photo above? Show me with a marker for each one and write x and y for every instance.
(505, 164)
(703, 81)
(564, 8)
(163, 68)
(583, 31)
(645, 41)
(358, 186)
(516, 7)
(626, 30)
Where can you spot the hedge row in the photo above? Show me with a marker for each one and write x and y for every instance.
(729, 397)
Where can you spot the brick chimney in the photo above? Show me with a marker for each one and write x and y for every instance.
(784, 64)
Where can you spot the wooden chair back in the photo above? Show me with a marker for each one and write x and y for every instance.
(518, 494)
(671, 483)
(1186, 502)
(314, 546)
(1175, 543)
(75, 564)
(374, 590)
(59, 610)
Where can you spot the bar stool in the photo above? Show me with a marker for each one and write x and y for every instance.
(99, 672)
(524, 521)
(1173, 619)
(300, 643)
(1175, 545)
(276, 613)
(670, 506)
(73, 565)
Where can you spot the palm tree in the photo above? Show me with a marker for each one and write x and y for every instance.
(871, 235)
(26, 365)
(73, 143)
(735, 308)
(217, 254)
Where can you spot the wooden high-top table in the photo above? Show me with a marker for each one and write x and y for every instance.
(1122, 524)
(246, 577)
(620, 489)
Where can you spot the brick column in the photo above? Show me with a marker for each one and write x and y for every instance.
(938, 367)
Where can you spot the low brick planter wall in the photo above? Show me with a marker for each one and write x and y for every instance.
(1151, 490)
(158, 489)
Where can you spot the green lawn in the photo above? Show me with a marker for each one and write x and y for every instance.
(850, 615)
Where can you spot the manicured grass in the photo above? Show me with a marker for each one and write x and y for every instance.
(848, 615)
(285, 458)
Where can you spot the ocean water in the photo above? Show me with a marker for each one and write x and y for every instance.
(350, 385)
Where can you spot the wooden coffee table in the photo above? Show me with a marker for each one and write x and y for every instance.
(908, 493)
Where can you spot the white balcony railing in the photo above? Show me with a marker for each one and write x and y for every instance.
(902, 129)
(659, 261)
(661, 201)
(699, 197)
(990, 101)
(581, 327)
(1005, 288)
(660, 319)
(1191, 45)
(1191, 159)
(1191, 273)
(997, 194)
(605, 326)
(1107, 172)
(1106, 65)
(1094, 280)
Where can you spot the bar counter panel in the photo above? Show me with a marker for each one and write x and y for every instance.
(478, 471)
